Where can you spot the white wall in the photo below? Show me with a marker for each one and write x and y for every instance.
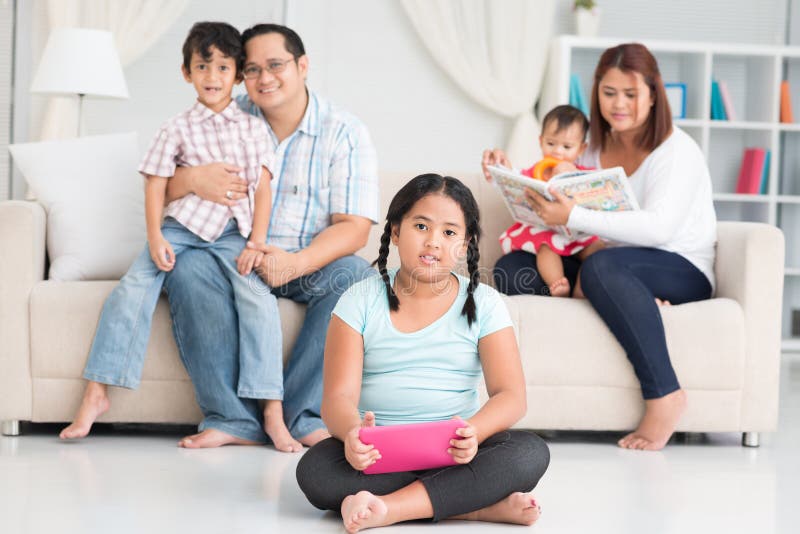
(365, 55)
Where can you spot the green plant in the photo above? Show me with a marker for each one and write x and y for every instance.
(584, 4)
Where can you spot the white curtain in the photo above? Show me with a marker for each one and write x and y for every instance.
(496, 52)
(136, 25)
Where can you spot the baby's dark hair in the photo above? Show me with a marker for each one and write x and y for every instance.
(404, 200)
(565, 116)
(220, 35)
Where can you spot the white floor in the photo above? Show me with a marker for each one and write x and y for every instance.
(129, 480)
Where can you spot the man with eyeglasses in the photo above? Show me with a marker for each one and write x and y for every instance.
(325, 198)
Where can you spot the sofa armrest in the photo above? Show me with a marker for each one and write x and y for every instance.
(22, 247)
(749, 269)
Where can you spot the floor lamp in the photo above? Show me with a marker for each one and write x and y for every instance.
(83, 62)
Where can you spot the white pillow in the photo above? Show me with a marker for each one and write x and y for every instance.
(94, 200)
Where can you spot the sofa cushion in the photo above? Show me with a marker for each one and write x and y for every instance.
(64, 318)
(564, 342)
(95, 212)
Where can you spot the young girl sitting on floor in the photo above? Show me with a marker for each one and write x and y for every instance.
(408, 346)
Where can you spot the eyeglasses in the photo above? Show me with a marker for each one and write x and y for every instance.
(274, 66)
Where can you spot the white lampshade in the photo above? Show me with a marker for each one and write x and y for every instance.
(80, 61)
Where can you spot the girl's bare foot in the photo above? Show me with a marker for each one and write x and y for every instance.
(661, 416)
(95, 402)
(560, 288)
(518, 508)
(210, 438)
(363, 510)
(309, 440)
(276, 429)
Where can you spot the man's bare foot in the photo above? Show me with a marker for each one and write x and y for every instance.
(309, 440)
(560, 288)
(363, 510)
(661, 416)
(210, 438)
(518, 508)
(95, 402)
(276, 429)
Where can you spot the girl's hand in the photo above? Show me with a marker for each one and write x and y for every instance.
(494, 156)
(555, 213)
(358, 454)
(161, 252)
(464, 450)
(247, 260)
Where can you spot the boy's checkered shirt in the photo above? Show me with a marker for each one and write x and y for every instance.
(200, 136)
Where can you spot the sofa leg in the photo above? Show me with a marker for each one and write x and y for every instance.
(11, 428)
(750, 439)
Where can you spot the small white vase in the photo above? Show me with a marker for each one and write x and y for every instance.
(587, 22)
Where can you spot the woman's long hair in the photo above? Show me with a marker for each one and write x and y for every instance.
(632, 57)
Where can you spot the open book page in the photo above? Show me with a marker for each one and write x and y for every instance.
(605, 190)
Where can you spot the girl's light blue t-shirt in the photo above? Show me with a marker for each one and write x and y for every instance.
(428, 375)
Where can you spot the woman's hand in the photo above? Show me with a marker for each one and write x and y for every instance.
(494, 156)
(219, 182)
(552, 213)
(464, 450)
(358, 454)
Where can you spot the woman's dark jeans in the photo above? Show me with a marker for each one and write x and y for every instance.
(622, 283)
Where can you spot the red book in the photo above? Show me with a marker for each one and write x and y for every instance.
(750, 172)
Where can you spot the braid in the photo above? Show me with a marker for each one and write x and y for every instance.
(473, 255)
(383, 255)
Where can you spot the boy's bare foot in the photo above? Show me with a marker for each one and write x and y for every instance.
(363, 510)
(560, 288)
(276, 429)
(95, 402)
(210, 438)
(661, 416)
(309, 440)
(518, 508)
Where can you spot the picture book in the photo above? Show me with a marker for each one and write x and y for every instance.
(604, 190)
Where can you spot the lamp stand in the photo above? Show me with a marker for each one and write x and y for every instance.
(80, 114)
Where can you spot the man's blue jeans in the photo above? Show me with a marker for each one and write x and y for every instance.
(119, 346)
(204, 321)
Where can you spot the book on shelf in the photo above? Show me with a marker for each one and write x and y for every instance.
(577, 98)
(786, 103)
(717, 107)
(765, 174)
(753, 172)
(727, 103)
(604, 190)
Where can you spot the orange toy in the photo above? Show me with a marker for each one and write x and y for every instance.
(543, 165)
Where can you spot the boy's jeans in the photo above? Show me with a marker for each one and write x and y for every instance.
(117, 354)
(202, 316)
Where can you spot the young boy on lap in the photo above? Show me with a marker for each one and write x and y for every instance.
(213, 129)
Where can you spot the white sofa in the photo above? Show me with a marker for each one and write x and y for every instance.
(725, 350)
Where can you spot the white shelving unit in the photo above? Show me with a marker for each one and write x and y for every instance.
(753, 75)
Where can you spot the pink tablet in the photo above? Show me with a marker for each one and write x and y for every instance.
(411, 447)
